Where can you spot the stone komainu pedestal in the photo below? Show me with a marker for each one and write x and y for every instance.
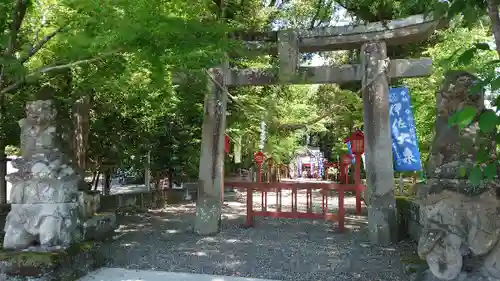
(44, 192)
(461, 232)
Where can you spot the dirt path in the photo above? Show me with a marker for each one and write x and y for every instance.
(274, 249)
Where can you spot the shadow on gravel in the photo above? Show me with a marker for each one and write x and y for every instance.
(274, 248)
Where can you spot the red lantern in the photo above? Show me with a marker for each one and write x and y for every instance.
(357, 140)
(227, 144)
(258, 157)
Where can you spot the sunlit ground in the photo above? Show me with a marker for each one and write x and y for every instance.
(276, 249)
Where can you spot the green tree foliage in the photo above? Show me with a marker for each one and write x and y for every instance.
(120, 55)
(478, 58)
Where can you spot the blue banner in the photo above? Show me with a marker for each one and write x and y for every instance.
(404, 136)
(321, 168)
(349, 151)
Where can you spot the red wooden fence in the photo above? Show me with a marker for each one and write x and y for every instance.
(324, 189)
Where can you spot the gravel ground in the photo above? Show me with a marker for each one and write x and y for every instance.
(274, 249)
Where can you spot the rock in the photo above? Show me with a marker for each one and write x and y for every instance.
(45, 209)
(100, 227)
(461, 225)
(55, 265)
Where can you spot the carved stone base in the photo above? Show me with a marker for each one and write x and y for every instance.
(469, 276)
(47, 224)
(208, 215)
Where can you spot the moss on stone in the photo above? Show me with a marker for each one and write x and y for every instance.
(403, 205)
(44, 259)
(413, 259)
(30, 259)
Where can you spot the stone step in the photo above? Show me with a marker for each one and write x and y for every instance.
(120, 274)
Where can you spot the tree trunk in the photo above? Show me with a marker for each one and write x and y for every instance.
(94, 177)
(3, 158)
(3, 173)
(107, 181)
(170, 178)
(495, 22)
(157, 180)
(81, 110)
(96, 183)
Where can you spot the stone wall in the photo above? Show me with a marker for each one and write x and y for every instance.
(132, 199)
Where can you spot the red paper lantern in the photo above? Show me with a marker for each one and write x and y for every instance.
(258, 157)
(227, 144)
(357, 140)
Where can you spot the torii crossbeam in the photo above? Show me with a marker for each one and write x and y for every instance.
(374, 71)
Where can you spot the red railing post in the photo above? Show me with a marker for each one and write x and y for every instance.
(342, 170)
(280, 199)
(259, 172)
(294, 199)
(249, 218)
(309, 199)
(259, 180)
(278, 207)
(341, 209)
(357, 181)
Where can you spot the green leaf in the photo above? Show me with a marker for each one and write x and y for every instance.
(483, 155)
(495, 84)
(478, 87)
(466, 57)
(488, 121)
(493, 62)
(476, 175)
(490, 171)
(482, 46)
(440, 9)
(463, 117)
(451, 58)
(456, 7)
(462, 171)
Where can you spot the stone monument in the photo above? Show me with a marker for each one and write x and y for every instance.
(461, 221)
(45, 208)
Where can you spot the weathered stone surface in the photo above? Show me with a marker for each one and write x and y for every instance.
(379, 168)
(211, 176)
(461, 223)
(100, 226)
(398, 68)
(453, 148)
(60, 265)
(45, 208)
(89, 203)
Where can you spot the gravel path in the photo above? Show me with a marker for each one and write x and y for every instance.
(274, 249)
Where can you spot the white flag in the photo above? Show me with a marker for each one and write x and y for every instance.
(237, 150)
(364, 163)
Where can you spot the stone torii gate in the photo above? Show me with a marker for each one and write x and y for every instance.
(374, 72)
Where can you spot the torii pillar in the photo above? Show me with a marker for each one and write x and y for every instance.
(382, 222)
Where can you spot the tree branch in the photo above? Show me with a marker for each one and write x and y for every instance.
(17, 85)
(17, 19)
(38, 45)
(18, 14)
(316, 14)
